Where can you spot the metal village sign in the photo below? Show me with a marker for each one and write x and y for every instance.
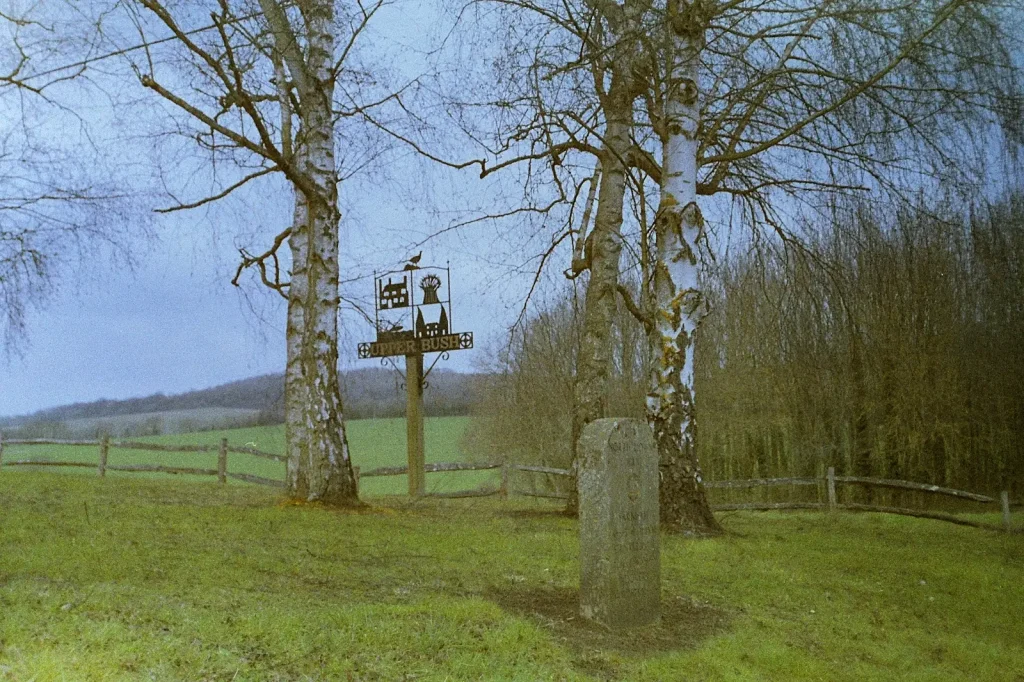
(413, 316)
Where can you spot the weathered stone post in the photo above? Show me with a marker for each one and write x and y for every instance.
(620, 561)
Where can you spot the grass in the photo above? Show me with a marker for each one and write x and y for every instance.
(374, 443)
(141, 579)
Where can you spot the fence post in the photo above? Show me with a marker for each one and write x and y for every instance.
(104, 451)
(504, 479)
(831, 488)
(1004, 498)
(222, 462)
(1, 448)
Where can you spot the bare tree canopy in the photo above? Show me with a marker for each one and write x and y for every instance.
(58, 210)
(267, 89)
(772, 106)
(898, 360)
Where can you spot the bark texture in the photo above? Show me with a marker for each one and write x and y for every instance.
(319, 466)
(680, 303)
(603, 252)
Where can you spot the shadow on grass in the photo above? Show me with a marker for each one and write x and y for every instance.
(685, 623)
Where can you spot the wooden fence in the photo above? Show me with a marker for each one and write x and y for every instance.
(831, 503)
(504, 490)
(829, 482)
(105, 444)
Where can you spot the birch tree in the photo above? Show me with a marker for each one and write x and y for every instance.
(768, 100)
(767, 104)
(679, 304)
(264, 96)
(569, 75)
(601, 249)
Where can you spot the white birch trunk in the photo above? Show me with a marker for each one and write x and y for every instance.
(294, 387)
(679, 302)
(319, 467)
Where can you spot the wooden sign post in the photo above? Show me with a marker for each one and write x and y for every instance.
(413, 325)
(414, 424)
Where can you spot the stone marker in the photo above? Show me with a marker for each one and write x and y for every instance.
(620, 562)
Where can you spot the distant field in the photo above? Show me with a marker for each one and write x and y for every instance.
(373, 442)
(168, 421)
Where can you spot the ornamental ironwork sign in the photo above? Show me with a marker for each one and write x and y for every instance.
(413, 313)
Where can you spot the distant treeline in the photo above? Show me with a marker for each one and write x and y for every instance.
(368, 393)
(891, 346)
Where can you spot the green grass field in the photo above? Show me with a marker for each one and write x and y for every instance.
(373, 442)
(171, 579)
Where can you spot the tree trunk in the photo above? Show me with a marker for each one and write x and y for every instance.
(680, 303)
(593, 365)
(319, 467)
(294, 385)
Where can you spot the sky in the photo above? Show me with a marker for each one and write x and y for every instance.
(174, 323)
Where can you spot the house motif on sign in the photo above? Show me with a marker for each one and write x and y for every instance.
(392, 295)
(429, 330)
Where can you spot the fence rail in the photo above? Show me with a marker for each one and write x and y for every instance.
(252, 478)
(829, 480)
(507, 468)
(257, 453)
(49, 441)
(47, 462)
(759, 482)
(911, 485)
(104, 445)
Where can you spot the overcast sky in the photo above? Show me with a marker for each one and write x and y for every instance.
(175, 323)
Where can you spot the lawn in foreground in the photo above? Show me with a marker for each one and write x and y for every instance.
(127, 579)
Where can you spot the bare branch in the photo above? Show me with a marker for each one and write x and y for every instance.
(634, 309)
(260, 262)
(219, 195)
(286, 44)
